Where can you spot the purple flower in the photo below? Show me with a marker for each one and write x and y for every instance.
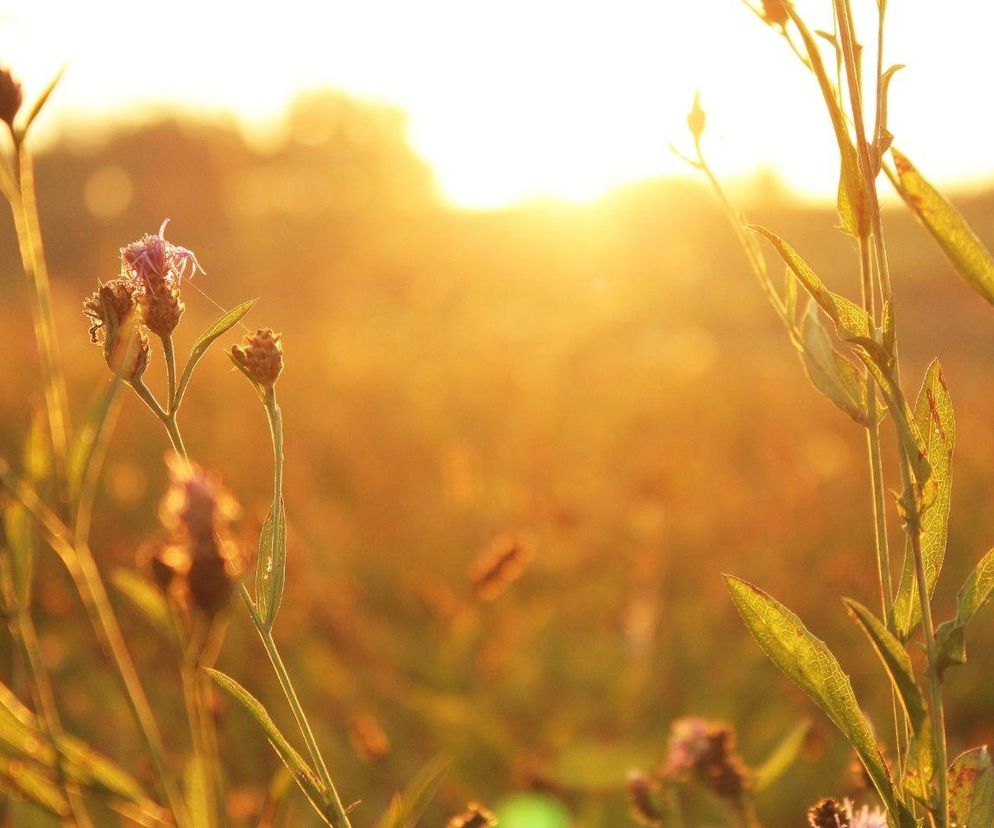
(864, 817)
(152, 261)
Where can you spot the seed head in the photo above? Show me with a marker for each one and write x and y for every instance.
(475, 816)
(109, 310)
(11, 96)
(152, 262)
(261, 356)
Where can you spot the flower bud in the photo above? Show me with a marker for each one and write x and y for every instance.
(161, 307)
(475, 816)
(696, 118)
(828, 813)
(11, 97)
(261, 356)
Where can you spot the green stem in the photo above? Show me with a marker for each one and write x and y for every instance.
(167, 419)
(169, 355)
(28, 229)
(339, 817)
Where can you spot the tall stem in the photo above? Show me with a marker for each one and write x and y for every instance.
(28, 229)
(169, 354)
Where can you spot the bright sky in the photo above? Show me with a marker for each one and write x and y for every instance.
(519, 99)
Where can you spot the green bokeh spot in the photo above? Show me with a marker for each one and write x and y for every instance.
(532, 811)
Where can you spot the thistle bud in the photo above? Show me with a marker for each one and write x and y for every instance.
(11, 97)
(696, 118)
(161, 307)
(475, 816)
(260, 356)
(706, 750)
(775, 12)
(828, 813)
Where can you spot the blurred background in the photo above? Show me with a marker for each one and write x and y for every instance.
(496, 321)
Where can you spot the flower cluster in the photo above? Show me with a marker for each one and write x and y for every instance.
(705, 750)
(199, 563)
(830, 813)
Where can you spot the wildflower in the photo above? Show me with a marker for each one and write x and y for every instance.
(707, 749)
(156, 268)
(201, 562)
(499, 566)
(830, 813)
(109, 310)
(775, 12)
(475, 816)
(11, 96)
(643, 796)
(261, 356)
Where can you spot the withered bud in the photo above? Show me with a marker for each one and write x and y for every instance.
(706, 749)
(644, 796)
(499, 565)
(696, 119)
(475, 816)
(775, 12)
(261, 356)
(368, 739)
(11, 96)
(211, 579)
(828, 813)
(109, 310)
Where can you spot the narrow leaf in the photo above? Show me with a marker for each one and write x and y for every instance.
(220, 327)
(145, 597)
(302, 773)
(972, 260)
(829, 371)
(270, 568)
(973, 595)
(971, 790)
(781, 757)
(809, 663)
(937, 426)
(407, 808)
(81, 452)
(40, 102)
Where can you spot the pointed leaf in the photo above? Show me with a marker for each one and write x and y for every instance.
(829, 371)
(302, 773)
(974, 594)
(270, 568)
(972, 260)
(971, 790)
(407, 808)
(219, 328)
(937, 427)
(781, 757)
(40, 102)
(809, 663)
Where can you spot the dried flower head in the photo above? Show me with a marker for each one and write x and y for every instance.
(475, 816)
(152, 261)
(775, 12)
(11, 96)
(109, 310)
(645, 796)
(707, 751)
(196, 510)
(499, 565)
(261, 356)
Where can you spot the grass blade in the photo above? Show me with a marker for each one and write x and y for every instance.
(407, 808)
(781, 757)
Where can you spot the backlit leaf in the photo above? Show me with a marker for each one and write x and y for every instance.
(270, 568)
(829, 371)
(974, 594)
(220, 327)
(971, 790)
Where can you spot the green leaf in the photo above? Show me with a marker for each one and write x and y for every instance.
(937, 427)
(145, 597)
(973, 595)
(781, 757)
(809, 663)
(830, 372)
(81, 452)
(302, 773)
(220, 327)
(971, 790)
(407, 808)
(972, 260)
(854, 326)
(270, 568)
(920, 765)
